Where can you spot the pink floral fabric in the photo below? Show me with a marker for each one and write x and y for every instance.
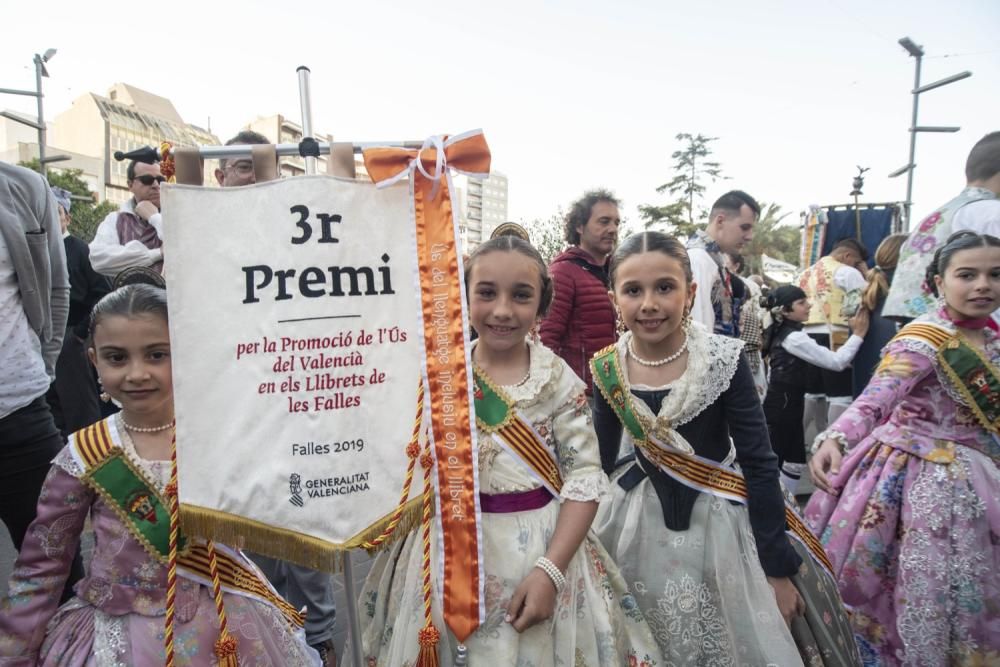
(914, 533)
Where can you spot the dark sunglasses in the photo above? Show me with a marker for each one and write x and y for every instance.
(146, 179)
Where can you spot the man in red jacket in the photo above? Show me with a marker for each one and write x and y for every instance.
(581, 319)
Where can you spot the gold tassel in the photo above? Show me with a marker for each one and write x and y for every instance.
(225, 650)
(428, 637)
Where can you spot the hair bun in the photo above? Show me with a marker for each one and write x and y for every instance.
(139, 275)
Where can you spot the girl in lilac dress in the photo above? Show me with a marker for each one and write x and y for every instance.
(118, 472)
(909, 509)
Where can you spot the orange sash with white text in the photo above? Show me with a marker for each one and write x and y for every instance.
(448, 377)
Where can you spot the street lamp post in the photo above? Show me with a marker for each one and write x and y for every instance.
(40, 71)
(917, 52)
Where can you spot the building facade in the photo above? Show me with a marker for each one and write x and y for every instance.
(483, 205)
(126, 119)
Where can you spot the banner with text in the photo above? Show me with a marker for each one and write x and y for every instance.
(296, 360)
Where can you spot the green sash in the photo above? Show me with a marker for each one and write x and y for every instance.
(126, 490)
(495, 415)
(144, 512)
(976, 379)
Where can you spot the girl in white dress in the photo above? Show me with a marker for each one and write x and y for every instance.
(553, 595)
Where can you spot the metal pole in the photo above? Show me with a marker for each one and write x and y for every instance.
(305, 102)
(239, 150)
(348, 570)
(41, 117)
(352, 610)
(913, 143)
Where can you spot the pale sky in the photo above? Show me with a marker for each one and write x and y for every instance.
(571, 95)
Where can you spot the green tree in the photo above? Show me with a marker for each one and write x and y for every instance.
(693, 171)
(86, 215)
(772, 238)
(548, 235)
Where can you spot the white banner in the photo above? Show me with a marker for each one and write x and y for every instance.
(296, 357)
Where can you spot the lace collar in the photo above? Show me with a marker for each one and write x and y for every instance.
(711, 364)
(541, 376)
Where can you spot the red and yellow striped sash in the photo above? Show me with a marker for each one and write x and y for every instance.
(94, 446)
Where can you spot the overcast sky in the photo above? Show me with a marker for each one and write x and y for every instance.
(571, 95)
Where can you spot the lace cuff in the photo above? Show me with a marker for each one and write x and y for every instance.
(586, 487)
(65, 460)
(830, 435)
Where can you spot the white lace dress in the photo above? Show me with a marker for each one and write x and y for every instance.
(702, 590)
(596, 621)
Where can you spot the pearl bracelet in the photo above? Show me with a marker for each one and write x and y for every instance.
(549, 568)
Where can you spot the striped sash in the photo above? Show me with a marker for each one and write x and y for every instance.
(496, 416)
(109, 472)
(971, 373)
(696, 472)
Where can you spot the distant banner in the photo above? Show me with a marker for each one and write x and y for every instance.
(297, 358)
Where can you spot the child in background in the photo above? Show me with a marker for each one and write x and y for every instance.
(791, 352)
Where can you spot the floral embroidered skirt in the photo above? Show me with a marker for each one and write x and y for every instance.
(916, 550)
(80, 635)
(702, 590)
(596, 622)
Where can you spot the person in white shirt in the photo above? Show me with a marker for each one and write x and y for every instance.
(132, 235)
(792, 353)
(834, 286)
(721, 295)
(34, 302)
(975, 209)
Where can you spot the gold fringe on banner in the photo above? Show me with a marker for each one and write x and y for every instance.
(313, 552)
(307, 550)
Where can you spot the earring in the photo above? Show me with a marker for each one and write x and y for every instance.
(620, 327)
(686, 322)
(533, 332)
(104, 396)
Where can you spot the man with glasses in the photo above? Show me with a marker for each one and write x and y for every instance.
(132, 235)
(239, 171)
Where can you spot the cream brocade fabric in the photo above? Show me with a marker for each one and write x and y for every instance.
(596, 622)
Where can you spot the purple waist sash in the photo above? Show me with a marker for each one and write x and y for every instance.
(504, 503)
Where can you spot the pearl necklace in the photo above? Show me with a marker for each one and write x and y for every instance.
(658, 362)
(147, 429)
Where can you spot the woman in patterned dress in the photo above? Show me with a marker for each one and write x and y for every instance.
(909, 506)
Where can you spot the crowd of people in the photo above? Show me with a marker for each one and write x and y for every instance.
(668, 394)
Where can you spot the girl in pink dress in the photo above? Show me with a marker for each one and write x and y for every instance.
(909, 507)
(117, 472)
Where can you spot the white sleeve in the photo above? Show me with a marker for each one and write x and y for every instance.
(849, 279)
(802, 346)
(108, 256)
(156, 220)
(706, 272)
(982, 217)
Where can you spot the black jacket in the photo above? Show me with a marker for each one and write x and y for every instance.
(736, 413)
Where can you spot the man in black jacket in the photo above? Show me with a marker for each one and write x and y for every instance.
(73, 395)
